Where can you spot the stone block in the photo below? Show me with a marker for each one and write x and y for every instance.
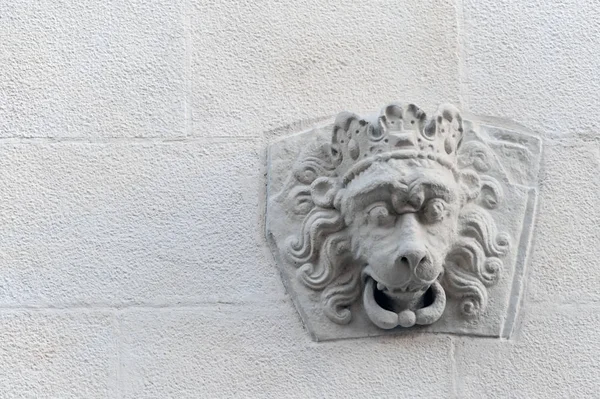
(229, 351)
(564, 262)
(260, 65)
(133, 223)
(58, 354)
(92, 68)
(535, 62)
(555, 356)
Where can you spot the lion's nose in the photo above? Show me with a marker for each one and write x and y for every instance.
(416, 262)
(411, 259)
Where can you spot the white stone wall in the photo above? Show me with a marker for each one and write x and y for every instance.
(133, 262)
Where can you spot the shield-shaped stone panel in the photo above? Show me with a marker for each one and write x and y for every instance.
(501, 151)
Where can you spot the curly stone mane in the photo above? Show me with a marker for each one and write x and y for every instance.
(322, 251)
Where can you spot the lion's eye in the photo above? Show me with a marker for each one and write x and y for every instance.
(435, 210)
(379, 215)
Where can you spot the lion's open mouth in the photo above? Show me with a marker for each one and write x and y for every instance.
(388, 309)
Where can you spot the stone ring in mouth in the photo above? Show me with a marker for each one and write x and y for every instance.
(411, 314)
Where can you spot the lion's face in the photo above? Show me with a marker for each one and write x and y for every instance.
(401, 217)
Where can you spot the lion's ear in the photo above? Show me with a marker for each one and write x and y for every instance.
(470, 184)
(323, 191)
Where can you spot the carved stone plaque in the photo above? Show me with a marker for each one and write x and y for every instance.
(397, 222)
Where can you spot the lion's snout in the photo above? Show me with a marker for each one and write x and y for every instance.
(411, 263)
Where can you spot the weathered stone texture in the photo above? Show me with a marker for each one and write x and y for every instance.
(92, 68)
(566, 254)
(535, 62)
(258, 65)
(58, 354)
(132, 223)
(245, 351)
(554, 356)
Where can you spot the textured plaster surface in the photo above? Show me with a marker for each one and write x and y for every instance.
(535, 62)
(564, 363)
(58, 354)
(133, 262)
(263, 352)
(565, 258)
(92, 69)
(257, 65)
(132, 223)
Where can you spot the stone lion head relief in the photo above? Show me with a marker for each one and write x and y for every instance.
(387, 222)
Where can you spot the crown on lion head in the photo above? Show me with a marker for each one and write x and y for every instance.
(400, 132)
